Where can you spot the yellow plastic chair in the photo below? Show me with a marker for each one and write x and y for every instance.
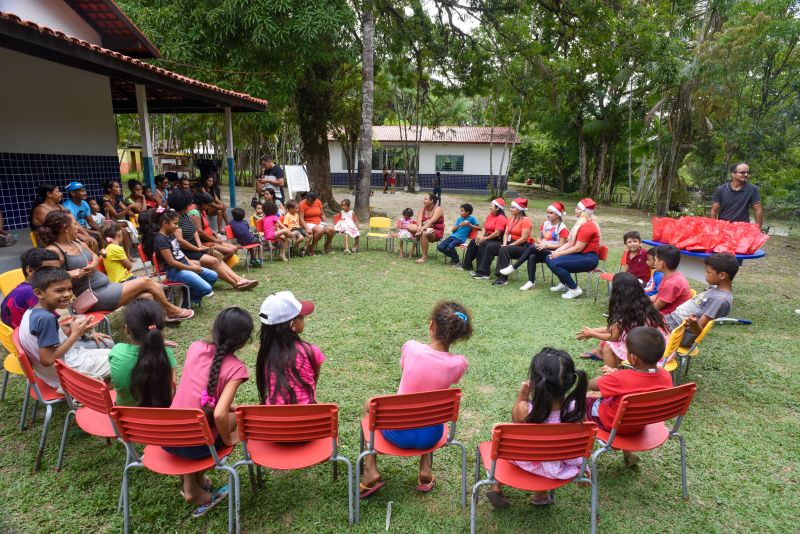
(379, 228)
(34, 241)
(686, 353)
(693, 292)
(11, 362)
(11, 279)
(670, 359)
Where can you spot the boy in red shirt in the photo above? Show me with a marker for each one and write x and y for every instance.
(674, 289)
(645, 348)
(636, 263)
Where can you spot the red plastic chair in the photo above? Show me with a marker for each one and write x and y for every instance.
(161, 275)
(261, 234)
(602, 256)
(650, 410)
(413, 410)
(462, 248)
(246, 248)
(607, 277)
(90, 402)
(291, 437)
(169, 427)
(40, 392)
(531, 443)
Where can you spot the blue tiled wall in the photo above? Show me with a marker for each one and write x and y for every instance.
(20, 174)
(471, 182)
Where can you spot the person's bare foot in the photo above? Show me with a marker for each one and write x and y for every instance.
(422, 260)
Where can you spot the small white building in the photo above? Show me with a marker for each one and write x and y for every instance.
(466, 156)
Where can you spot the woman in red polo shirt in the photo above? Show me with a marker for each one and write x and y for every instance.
(491, 235)
(312, 218)
(515, 236)
(579, 253)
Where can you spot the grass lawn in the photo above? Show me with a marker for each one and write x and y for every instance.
(741, 432)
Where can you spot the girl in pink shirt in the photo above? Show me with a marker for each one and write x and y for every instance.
(211, 375)
(425, 368)
(287, 368)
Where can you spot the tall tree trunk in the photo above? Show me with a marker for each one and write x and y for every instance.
(680, 114)
(313, 100)
(582, 163)
(367, 93)
(600, 166)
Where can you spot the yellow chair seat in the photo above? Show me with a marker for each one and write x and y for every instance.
(684, 351)
(11, 364)
(671, 365)
(377, 234)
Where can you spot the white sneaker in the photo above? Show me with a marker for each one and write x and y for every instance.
(797, 311)
(572, 293)
(528, 286)
(507, 270)
(559, 287)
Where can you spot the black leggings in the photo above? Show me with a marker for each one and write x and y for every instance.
(474, 251)
(486, 253)
(505, 255)
(533, 256)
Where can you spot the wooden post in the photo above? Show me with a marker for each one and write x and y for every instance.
(144, 130)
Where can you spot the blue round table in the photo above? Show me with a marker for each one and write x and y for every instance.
(693, 263)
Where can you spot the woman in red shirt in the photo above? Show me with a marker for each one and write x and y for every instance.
(312, 218)
(516, 235)
(490, 236)
(579, 253)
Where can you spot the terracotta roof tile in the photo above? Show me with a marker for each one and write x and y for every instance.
(14, 19)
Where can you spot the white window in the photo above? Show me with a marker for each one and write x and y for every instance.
(450, 163)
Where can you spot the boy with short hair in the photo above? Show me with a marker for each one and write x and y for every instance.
(651, 287)
(22, 298)
(44, 341)
(636, 263)
(242, 234)
(674, 289)
(713, 303)
(291, 220)
(645, 348)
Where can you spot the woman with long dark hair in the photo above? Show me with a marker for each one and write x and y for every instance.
(59, 233)
(431, 227)
(490, 235)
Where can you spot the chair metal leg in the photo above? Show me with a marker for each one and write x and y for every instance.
(47, 417)
(251, 472)
(473, 508)
(5, 383)
(463, 472)
(35, 411)
(685, 376)
(684, 482)
(595, 484)
(125, 500)
(64, 433)
(349, 485)
(24, 414)
(477, 463)
(359, 465)
(122, 487)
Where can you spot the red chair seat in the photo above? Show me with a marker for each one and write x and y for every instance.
(96, 317)
(48, 392)
(94, 423)
(385, 447)
(287, 456)
(651, 437)
(607, 276)
(157, 459)
(248, 247)
(512, 475)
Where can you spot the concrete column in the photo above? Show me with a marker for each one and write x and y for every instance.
(229, 143)
(147, 144)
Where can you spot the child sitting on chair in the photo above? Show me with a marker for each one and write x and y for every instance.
(674, 289)
(243, 235)
(713, 303)
(348, 225)
(425, 368)
(22, 298)
(44, 341)
(645, 349)
(636, 263)
(403, 233)
(652, 285)
(116, 262)
(291, 220)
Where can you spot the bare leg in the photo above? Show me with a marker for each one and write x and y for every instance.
(222, 269)
(423, 244)
(192, 491)
(425, 469)
(317, 235)
(328, 231)
(609, 358)
(371, 473)
(346, 243)
(139, 287)
(358, 238)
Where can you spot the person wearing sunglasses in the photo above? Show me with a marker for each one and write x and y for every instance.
(732, 200)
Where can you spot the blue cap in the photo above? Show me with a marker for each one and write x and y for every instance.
(74, 186)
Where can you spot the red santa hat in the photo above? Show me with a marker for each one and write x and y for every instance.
(557, 208)
(499, 203)
(587, 204)
(520, 203)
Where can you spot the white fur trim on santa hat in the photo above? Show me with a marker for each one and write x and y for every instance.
(555, 210)
(584, 208)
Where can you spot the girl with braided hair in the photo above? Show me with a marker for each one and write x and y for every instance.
(425, 368)
(211, 375)
(555, 392)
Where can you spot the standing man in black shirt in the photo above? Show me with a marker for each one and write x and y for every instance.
(272, 177)
(732, 200)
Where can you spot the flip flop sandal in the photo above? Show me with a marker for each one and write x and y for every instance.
(185, 315)
(591, 356)
(425, 487)
(250, 284)
(367, 491)
(216, 497)
(497, 499)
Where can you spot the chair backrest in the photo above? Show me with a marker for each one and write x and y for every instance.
(143, 257)
(623, 260)
(101, 266)
(706, 329)
(156, 266)
(532, 442)
(289, 423)
(380, 223)
(34, 241)
(414, 410)
(90, 392)
(24, 362)
(642, 409)
(165, 427)
(7, 338)
(473, 233)
(11, 279)
(602, 253)
(337, 217)
(674, 341)
(229, 232)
